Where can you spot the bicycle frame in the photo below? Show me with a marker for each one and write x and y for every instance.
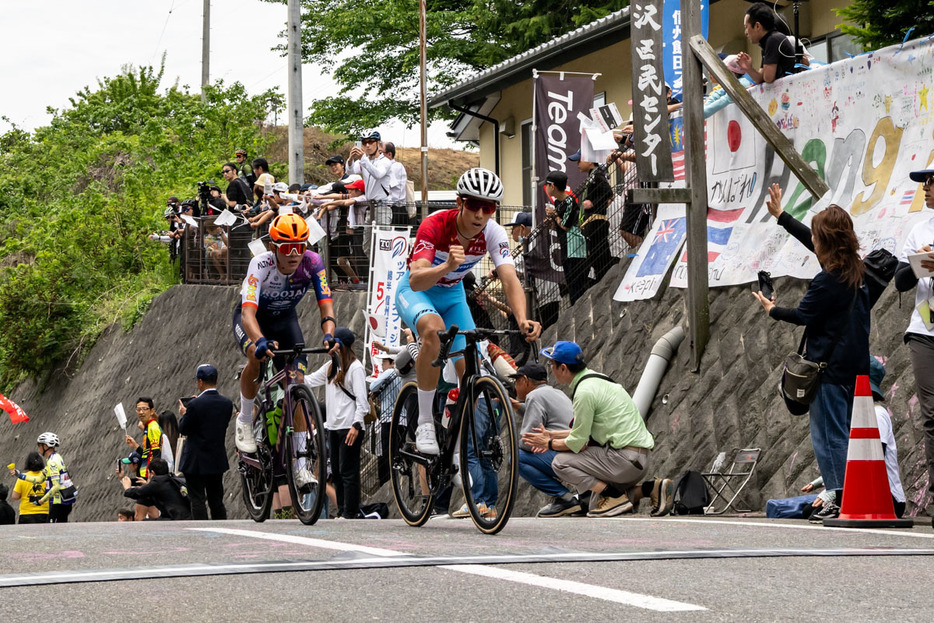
(286, 374)
(447, 458)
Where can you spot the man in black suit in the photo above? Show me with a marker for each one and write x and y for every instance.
(203, 459)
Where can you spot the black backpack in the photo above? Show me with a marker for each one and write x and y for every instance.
(691, 495)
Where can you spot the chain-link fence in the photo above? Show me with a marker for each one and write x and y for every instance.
(611, 228)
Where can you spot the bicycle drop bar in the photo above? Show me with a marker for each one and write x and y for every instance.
(300, 349)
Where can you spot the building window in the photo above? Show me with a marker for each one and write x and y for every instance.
(834, 47)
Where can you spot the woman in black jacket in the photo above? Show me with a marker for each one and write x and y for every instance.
(835, 310)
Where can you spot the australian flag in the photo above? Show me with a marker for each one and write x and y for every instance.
(668, 238)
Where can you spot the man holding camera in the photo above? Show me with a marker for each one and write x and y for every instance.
(204, 421)
(163, 490)
(367, 161)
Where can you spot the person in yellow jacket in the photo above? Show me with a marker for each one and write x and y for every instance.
(29, 492)
(60, 492)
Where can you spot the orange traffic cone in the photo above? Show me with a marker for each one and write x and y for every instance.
(867, 501)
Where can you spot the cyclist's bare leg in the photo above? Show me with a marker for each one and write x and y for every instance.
(426, 374)
(427, 326)
(248, 386)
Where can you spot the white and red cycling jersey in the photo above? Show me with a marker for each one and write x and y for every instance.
(438, 233)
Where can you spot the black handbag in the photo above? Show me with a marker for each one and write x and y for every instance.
(801, 378)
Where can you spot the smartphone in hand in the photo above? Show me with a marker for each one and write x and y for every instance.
(185, 400)
(765, 284)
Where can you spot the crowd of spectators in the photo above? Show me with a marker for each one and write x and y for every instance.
(369, 188)
(588, 453)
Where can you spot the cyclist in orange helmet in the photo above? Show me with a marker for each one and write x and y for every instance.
(266, 318)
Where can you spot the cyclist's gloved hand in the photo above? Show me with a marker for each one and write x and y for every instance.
(329, 340)
(262, 348)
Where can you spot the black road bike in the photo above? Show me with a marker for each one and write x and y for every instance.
(285, 409)
(479, 443)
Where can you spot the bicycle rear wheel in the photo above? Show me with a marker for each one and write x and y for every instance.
(489, 453)
(258, 484)
(305, 450)
(409, 478)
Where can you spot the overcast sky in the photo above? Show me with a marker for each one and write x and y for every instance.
(50, 49)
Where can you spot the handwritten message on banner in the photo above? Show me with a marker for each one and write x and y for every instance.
(863, 124)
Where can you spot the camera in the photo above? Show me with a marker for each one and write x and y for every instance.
(204, 191)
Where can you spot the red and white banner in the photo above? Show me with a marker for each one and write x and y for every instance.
(387, 266)
(15, 412)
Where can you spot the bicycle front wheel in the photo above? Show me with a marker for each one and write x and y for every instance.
(306, 457)
(409, 477)
(489, 454)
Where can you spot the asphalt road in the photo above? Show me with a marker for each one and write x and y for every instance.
(570, 569)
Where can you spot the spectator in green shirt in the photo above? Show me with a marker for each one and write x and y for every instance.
(565, 218)
(606, 451)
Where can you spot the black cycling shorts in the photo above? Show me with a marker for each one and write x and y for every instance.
(282, 329)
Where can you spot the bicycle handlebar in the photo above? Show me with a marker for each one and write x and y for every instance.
(472, 335)
(299, 349)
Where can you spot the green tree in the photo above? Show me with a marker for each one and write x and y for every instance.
(79, 197)
(371, 48)
(879, 23)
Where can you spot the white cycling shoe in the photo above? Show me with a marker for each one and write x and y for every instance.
(425, 440)
(244, 437)
(304, 479)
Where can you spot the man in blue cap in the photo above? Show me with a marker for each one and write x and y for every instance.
(920, 333)
(606, 451)
(204, 460)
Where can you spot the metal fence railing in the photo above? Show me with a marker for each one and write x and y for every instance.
(612, 228)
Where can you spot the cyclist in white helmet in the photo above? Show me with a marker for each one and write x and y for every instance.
(431, 297)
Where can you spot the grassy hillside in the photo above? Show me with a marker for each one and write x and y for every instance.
(79, 197)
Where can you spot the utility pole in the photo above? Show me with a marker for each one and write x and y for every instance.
(296, 125)
(423, 82)
(205, 48)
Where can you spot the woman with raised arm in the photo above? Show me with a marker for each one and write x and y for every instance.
(835, 312)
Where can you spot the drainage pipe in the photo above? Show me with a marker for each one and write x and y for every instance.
(655, 367)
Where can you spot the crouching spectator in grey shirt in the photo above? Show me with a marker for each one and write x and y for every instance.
(543, 406)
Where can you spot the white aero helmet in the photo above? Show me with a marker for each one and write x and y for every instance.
(48, 439)
(480, 183)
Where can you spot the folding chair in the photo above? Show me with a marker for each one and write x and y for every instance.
(727, 486)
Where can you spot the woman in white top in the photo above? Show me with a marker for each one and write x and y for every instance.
(345, 405)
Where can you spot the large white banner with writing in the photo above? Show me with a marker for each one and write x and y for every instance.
(863, 124)
(390, 249)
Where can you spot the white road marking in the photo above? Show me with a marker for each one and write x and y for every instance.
(302, 540)
(588, 590)
(756, 524)
(578, 588)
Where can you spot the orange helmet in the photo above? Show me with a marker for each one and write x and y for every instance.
(288, 228)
